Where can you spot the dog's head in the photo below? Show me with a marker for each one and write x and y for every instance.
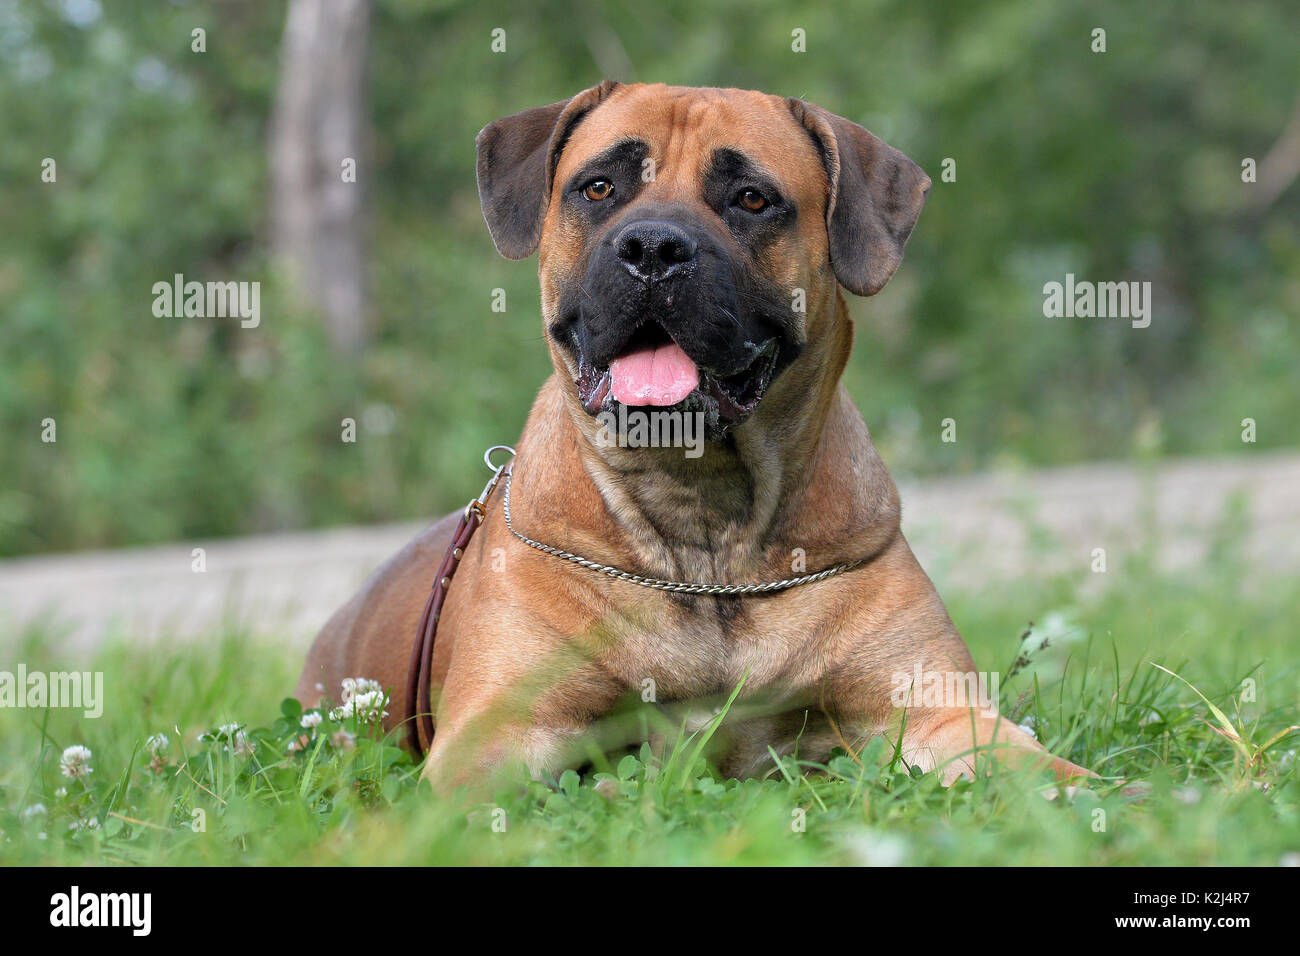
(691, 239)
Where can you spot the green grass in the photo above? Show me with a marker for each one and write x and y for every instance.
(1094, 693)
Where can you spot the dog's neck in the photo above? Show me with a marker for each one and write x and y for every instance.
(798, 487)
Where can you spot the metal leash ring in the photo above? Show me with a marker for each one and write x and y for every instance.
(479, 504)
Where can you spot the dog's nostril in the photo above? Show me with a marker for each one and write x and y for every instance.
(630, 250)
(672, 251)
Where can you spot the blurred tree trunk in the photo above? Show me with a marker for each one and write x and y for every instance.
(1280, 166)
(320, 123)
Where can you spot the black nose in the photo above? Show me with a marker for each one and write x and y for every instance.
(653, 249)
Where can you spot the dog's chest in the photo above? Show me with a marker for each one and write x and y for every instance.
(697, 648)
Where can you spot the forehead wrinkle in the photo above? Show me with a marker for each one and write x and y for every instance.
(684, 130)
(701, 125)
(678, 125)
(684, 126)
(755, 132)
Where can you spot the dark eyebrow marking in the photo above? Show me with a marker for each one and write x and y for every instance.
(731, 164)
(625, 156)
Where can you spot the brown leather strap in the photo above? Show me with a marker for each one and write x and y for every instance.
(419, 709)
(419, 673)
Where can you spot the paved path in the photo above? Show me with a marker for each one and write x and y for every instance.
(969, 533)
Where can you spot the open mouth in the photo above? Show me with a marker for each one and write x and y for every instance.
(654, 372)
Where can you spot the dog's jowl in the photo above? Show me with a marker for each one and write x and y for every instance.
(691, 248)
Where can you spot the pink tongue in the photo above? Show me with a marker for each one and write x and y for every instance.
(662, 375)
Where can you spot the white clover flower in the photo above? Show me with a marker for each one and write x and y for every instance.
(1031, 725)
(156, 743)
(75, 762)
(311, 720)
(367, 707)
(352, 686)
(61, 792)
(34, 810)
(233, 737)
(342, 740)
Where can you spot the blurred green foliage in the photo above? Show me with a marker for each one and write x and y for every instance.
(1123, 165)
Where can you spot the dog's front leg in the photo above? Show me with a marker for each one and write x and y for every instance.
(954, 739)
(478, 752)
(508, 712)
(938, 712)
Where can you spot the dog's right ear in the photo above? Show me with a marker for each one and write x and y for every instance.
(517, 157)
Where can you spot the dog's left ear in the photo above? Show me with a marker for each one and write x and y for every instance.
(517, 156)
(876, 195)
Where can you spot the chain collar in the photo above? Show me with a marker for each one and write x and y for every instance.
(676, 587)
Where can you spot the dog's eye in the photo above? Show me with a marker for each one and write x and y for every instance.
(598, 189)
(753, 200)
